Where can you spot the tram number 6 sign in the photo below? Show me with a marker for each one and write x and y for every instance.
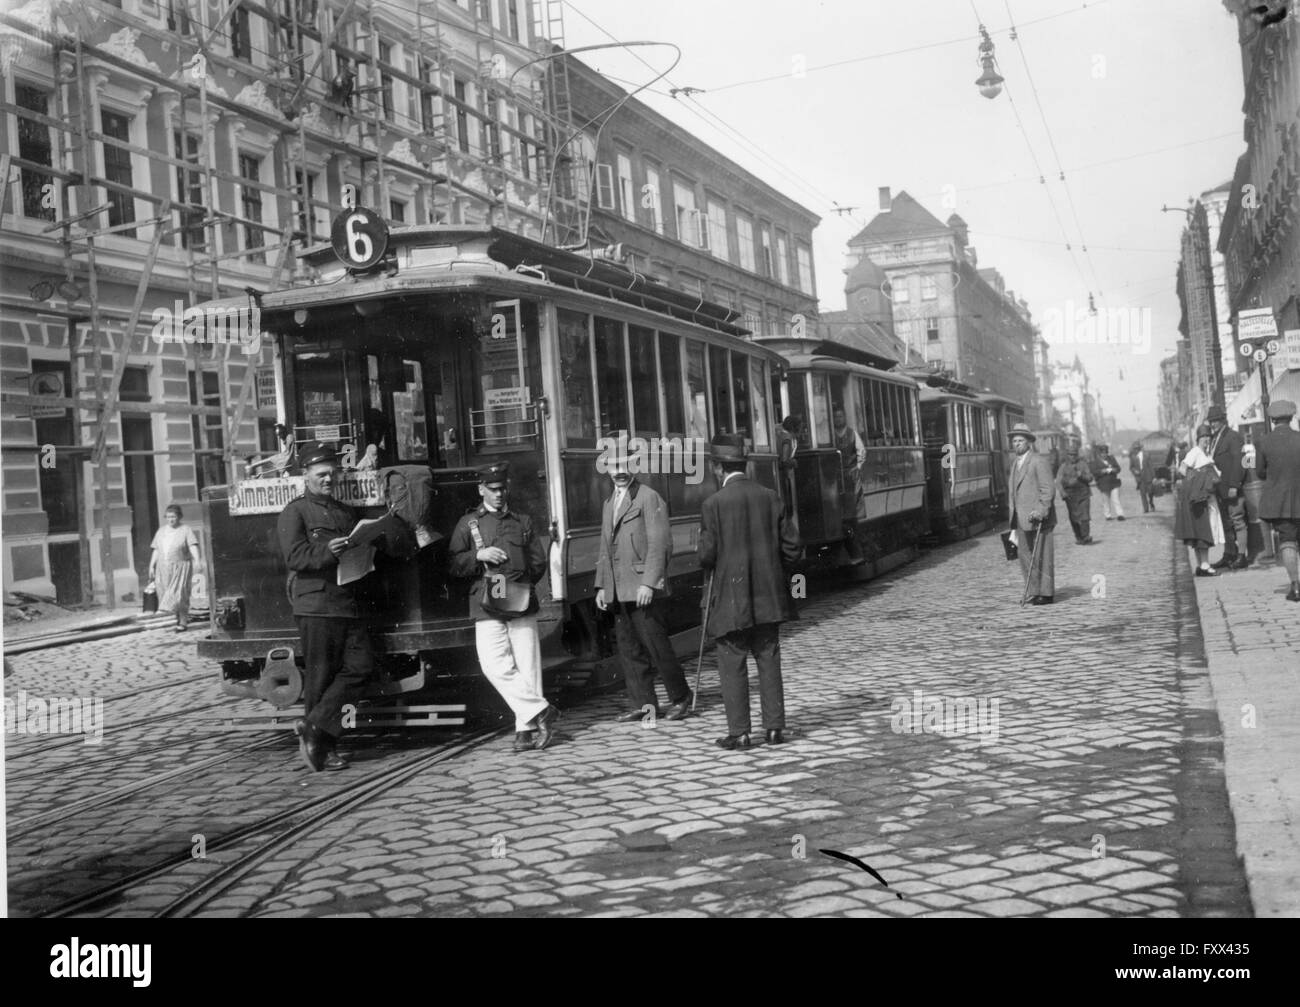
(359, 237)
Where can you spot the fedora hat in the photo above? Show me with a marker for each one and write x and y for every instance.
(317, 453)
(728, 447)
(1021, 430)
(1216, 413)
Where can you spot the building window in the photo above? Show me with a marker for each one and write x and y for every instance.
(804, 254)
(117, 168)
(241, 42)
(651, 193)
(626, 198)
(899, 250)
(386, 80)
(397, 211)
(929, 287)
(687, 215)
(306, 211)
(207, 430)
(745, 241)
(932, 329)
(34, 145)
(782, 259)
(604, 186)
(178, 16)
(250, 203)
(512, 13)
(765, 243)
(718, 230)
(189, 190)
(462, 120)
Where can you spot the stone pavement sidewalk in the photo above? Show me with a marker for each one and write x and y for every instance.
(1252, 646)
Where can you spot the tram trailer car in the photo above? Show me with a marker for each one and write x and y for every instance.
(961, 494)
(1003, 414)
(465, 346)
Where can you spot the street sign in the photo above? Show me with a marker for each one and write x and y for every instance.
(1291, 349)
(1256, 323)
(1246, 349)
(47, 384)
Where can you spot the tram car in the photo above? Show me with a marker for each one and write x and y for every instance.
(459, 347)
(961, 493)
(871, 521)
(1003, 414)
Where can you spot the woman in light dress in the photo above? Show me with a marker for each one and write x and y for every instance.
(1196, 518)
(171, 567)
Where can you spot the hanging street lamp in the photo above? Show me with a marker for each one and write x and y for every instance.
(990, 82)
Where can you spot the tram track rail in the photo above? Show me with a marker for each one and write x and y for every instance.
(42, 746)
(286, 826)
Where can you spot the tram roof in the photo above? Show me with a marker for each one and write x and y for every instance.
(819, 362)
(419, 254)
(791, 347)
(929, 393)
(992, 398)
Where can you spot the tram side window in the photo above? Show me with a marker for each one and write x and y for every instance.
(579, 392)
(895, 431)
(797, 389)
(758, 402)
(503, 361)
(645, 386)
(323, 401)
(722, 421)
(907, 432)
(697, 409)
(611, 377)
(670, 367)
(740, 386)
(860, 409)
(821, 410)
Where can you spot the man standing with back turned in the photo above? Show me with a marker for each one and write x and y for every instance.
(746, 544)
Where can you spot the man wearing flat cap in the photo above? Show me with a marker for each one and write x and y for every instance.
(313, 532)
(632, 579)
(1033, 514)
(1277, 462)
(746, 545)
(497, 547)
(1225, 450)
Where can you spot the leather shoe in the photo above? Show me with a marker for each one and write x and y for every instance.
(1226, 561)
(1120, 518)
(311, 745)
(774, 736)
(545, 726)
(1041, 599)
(1294, 593)
(631, 716)
(1203, 572)
(1240, 563)
(680, 709)
(334, 762)
(733, 741)
(524, 741)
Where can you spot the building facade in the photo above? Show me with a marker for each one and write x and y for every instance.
(157, 153)
(949, 314)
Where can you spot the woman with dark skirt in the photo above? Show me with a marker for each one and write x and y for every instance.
(1195, 502)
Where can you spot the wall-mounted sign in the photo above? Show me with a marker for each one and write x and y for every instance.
(266, 398)
(47, 384)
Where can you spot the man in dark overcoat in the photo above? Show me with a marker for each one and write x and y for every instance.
(1277, 462)
(636, 544)
(1033, 514)
(1074, 478)
(1225, 449)
(1143, 467)
(746, 545)
(313, 532)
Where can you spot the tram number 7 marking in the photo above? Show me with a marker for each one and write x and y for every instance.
(359, 237)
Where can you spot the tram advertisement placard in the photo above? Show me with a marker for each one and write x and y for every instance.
(269, 496)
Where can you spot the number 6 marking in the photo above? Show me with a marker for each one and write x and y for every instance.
(360, 247)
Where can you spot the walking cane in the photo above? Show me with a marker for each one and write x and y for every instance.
(704, 628)
(1033, 559)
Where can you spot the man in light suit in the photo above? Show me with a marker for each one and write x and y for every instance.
(747, 545)
(631, 578)
(1033, 513)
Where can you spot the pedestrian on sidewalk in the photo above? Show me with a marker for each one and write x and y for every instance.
(171, 565)
(1278, 460)
(1195, 504)
(1105, 470)
(1143, 467)
(748, 546)
(1225, 449)
(1074, 479)
(1033, 514)
(313, 533)
(631, 579)
(497, 547)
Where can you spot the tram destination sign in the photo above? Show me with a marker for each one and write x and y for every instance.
(269, 496)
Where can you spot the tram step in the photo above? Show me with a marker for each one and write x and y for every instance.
(413, 715)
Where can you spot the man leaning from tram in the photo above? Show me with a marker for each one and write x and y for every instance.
(313, 532)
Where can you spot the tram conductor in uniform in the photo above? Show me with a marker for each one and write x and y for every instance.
(746, 544)
(497, 547)
(313, 532)
(1033, 514)
(632, 579)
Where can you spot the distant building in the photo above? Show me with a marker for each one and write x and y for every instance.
(1199, 322)
(948, 313)
(867, 323)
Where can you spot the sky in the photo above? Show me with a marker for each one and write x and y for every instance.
(1138, 102)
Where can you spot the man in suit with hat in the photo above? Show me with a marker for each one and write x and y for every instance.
(1277, 462)
(1033, 514)
(1225, 449)
(497, 547)
(631, 578)
(746, 543)
(313, 532)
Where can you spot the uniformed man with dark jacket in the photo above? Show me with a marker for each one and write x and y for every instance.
(1225, 449)
(1074, 479)
(1277, 461)
(746, 545)
(497, 546)
(313, 532)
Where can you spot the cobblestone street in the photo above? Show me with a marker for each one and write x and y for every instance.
(983, 759)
